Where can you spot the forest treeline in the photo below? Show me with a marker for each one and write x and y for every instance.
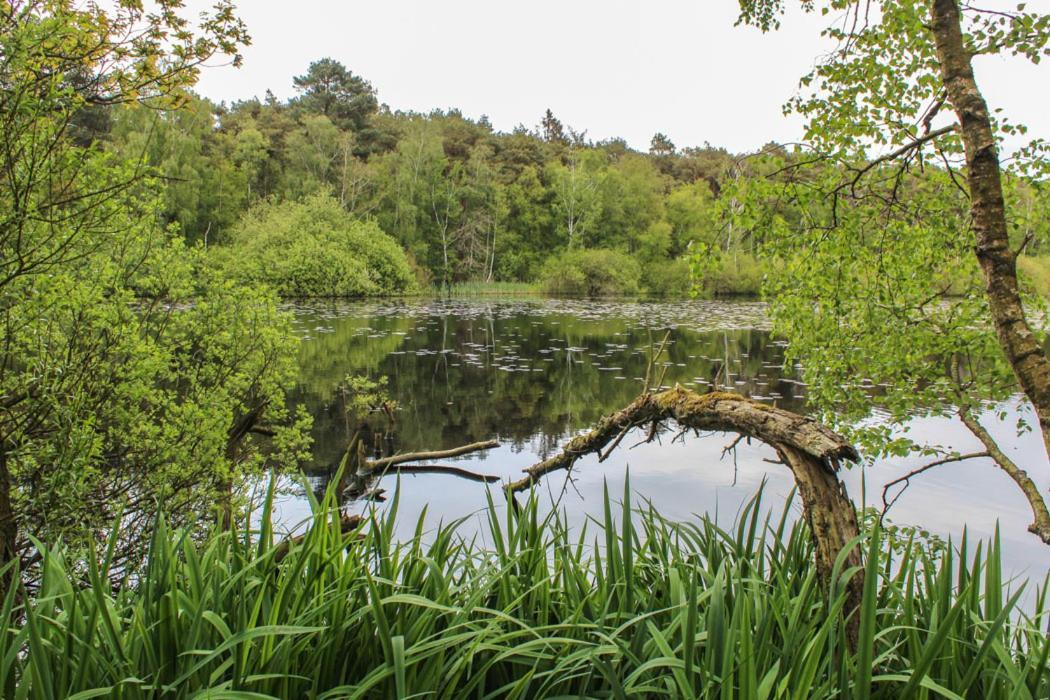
(466, 202)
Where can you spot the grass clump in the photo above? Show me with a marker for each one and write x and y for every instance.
(482, 289)
(624, 607)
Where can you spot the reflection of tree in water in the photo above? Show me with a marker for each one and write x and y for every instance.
(527, 379)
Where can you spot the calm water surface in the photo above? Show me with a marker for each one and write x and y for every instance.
(531, 373)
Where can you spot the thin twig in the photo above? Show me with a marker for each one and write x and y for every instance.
(619, 438)
(906, 479)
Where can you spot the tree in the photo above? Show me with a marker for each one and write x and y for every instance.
(203, 189)
(577, 197)
(691, 213)
(314, 248)
(631, 201)
(887, 164)
(551, 129)
(128, 375)
(328, 88)
(660, 145)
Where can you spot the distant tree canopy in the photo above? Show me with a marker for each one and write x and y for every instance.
(660, 145)
(330, 89)
(465, 202)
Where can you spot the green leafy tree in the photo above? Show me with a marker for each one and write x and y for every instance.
(329, 89)
(660, 145)
(313, 248)
(128, 376)
(692, 214)
(203, 188)
(593, 272)
(577, 196)
(631, 201)
(906, 158)
(551, 129)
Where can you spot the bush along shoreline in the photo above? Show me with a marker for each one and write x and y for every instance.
(629, 605)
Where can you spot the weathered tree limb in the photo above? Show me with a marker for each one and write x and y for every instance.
(721, 411)
(810, 450)
(380, 464)
(1040, 514)
(360, 475)
(347, 524)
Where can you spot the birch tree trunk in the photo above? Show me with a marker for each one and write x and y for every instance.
(988, 211)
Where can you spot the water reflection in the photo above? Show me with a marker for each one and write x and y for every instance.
(528, 373)
(533, 372)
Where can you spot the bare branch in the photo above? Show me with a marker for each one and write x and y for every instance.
(906, 479)
(385, 462)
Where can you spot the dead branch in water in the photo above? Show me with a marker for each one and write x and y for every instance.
(347, 524)
(381, 464)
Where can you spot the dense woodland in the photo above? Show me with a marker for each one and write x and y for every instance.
(542, 204)
(467, 203)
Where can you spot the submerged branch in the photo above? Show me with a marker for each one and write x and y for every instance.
(446, 469)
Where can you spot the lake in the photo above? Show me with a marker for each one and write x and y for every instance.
(533, 372)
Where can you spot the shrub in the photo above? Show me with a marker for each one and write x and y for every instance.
(591, 272)
(313, 248)
(730, 274)
(668, 278)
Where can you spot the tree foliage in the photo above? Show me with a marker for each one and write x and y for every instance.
(314, 248)
(896, 252)
(129, 376)
(592, 272)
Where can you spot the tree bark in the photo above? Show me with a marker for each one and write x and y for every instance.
(988, 212)
(811, 451)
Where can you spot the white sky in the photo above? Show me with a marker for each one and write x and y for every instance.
(612, 67)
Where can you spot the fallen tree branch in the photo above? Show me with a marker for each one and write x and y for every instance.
(347, 524)
(810, 450)
(719, 411)
(385, 462)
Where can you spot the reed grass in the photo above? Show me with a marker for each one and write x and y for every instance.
(630, 605)
(481, 289)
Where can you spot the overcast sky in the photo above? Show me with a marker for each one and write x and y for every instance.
(612, 67)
